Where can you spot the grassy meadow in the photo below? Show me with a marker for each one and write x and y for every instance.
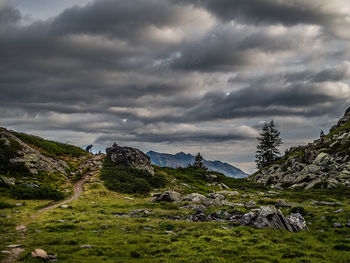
(94, 227)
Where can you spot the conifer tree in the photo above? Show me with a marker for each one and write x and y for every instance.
(267, 148)
(198, 163)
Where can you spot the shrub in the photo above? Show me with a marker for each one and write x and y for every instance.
(129, 180)
(298, 209)
(41, 193)
(4, 205)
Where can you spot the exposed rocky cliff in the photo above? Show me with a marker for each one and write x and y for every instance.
(32, 158)
(182, 160)
(130, 157)
(323, 163)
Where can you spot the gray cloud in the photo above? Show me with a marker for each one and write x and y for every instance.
(170, 73)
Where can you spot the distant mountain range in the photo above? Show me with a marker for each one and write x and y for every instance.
(182, 159)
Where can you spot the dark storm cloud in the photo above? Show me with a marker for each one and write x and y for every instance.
(157, 70)
(265, 11)
(179, 136)
(9, 15)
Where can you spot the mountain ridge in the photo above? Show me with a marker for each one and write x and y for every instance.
(182, 159)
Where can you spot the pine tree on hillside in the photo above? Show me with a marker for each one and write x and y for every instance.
(198, 163)
(268, 141)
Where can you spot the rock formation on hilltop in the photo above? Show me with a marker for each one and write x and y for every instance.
(324, 163)
(182, 160)
(130, 157)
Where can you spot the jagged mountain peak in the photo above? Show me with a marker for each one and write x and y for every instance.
(182, 159)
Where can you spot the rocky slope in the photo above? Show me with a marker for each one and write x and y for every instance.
(32, 158)
(182, 160)
(323, 163)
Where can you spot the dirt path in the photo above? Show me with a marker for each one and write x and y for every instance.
(93, 164)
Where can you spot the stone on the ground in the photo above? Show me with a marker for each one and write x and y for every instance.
(40, 253)
(14, 245)
(339, 211)
(194, 198)
(270, 217)
(250, 204)
(86, 246)
(337, 225)
(167, 196)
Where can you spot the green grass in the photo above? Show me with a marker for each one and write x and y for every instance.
(51, 148)
(91, 220)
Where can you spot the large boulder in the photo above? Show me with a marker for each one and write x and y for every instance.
(270, 217)
(130, 157)
(167, 196)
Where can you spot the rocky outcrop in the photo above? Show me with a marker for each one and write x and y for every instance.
(130, 157)
(323, 163)
(270, 217)
(33, 159)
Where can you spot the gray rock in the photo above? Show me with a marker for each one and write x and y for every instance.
(194, 198)
(167, 196)
(211, 176)
(86, 246)
(347, 224)
(325, 203)
(130, 157)
(250, 204)
(7, 180)
(297, 222)
(337, 225)
(339, 210)
(270, 217)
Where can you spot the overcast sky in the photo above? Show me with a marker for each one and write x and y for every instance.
(174, 75)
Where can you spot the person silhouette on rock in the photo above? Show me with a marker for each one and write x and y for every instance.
(88, 148)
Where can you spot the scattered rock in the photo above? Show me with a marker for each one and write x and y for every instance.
(347, 224)
(8, 181)
(337, 225)
(339, 210)
(86, 246)
(19, 204)
(211, 176)
(270, 217)
(324, 203)
(194, 198)
(140, 212)
(130, 157)
(250, 204)
(64, 206)
(40, 253)
(14, 246)
(228, 193)
(167, 196)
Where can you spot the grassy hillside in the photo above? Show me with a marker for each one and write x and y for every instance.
(115, 229)
(51, 148)
(43, 185)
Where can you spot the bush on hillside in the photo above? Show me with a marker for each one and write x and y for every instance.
(129, 180)
(44, 192)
